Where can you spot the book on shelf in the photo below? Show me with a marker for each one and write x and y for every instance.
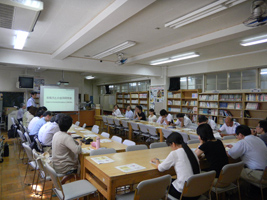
(169, 102)
(189, 103)
(208, 104)
(238, 106)
(225, 113)
(231, 106)
(127, 96)
(143, 96)
(206, 111)
(205, 97)
(256, 97)
(177, 103)
(120, 96)
(143, 102)
(194, 95)
(134, 101)
(174, 110)
(119, 101)
(231, 97)
(247, 114)
(223, 105)
(134, 95)
(170, 95)
(177, 95)
(252, 106)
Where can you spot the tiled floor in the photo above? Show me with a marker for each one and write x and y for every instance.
(12, 172)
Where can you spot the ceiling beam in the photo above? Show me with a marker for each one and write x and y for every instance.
(112, 16)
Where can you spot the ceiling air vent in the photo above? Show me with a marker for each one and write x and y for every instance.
(19, 14)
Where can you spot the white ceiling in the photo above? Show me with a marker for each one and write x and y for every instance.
(72, 29)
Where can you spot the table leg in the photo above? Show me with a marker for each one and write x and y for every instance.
(161, 135)
(130, 131)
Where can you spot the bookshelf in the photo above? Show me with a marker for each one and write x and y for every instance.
(208, 105)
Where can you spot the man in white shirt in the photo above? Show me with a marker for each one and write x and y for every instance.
(165, 118)
(38, 116)
(204, 120)
(228, 127)
(31, 101)
(48, 130)
(183, 121)
(129, 113)
(116, 111)
(21, 112)
(252, 151)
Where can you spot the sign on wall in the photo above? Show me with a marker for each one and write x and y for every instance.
(156, 96)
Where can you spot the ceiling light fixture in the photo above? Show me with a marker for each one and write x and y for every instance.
(175, 58)
(115, 49)
(89, 77)
(202, 13)
(254, 40)
(20, 39)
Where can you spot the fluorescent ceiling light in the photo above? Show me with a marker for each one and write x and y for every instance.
(115, 49)
(175, 58)
(20, 39)
(202, 13)
(89, 77)
(254, 40)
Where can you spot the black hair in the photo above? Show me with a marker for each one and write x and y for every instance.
(39, 113)
(130, 107)
(263, 124)
(53, 119)
(32, 110)
(176, 138)
(21, 105)
(33, 93)
(116, 105)
(202, 118)
(58, 116)
(243, 129)
(139, 107)
(47, 113)
(64, 123)
(205, 132)
(163, 112)
(179, 115)
(44, 108)
(152, 110)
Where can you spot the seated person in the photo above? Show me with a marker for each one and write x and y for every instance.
(65, 149)
(228, 127)
(183, 121)
(165, 118)
(48, 130)
(35, 130)
(139, 115)
(152, 115)
(116, 111)
(28, 116)
(21, 112)
(252, 151)
(261, 129)
(204, 120)
(38, 116)
(129, 113)
(184, 161)
(213, 149)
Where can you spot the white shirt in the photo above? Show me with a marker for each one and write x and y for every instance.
(187, 122)
(252, 151)
(229, 129)
(31, 102)
(152, 119)
(117, 112)
(47, 132)
(212, 124)
(33, 122)
(129, 114)
(20, 113)
(169, 119)
(182, 166)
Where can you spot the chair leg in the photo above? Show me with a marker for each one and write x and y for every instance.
(26, 174)
(33, 179)
(43, 188)
(37, 183)
(238, 188)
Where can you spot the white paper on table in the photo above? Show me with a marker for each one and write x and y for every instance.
(105, 140)
(217, 134)
(79, 129)
(130, 167)
(186, 129)
(86, 132)
(160, 160)
(87, 150)
(90, 135)
(75, 136)
(102, 160)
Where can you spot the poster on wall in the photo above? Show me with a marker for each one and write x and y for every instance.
(38, 82)
(156, 95)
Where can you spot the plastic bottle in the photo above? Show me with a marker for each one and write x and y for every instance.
(97, 142)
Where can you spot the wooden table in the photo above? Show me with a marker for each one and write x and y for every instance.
(106, 178)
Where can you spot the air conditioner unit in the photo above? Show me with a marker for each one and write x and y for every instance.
(19, 14)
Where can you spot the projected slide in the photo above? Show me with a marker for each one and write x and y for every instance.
(59, 99)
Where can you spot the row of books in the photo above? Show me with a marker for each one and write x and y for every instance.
(143, 102)
(231, 97)
(120, 96)
(144, 107)
(134, 101)
(206, 111)
(174, 95)
(127, 96)
(231, 105)
(174, 102)
(134, 95)
(174, 110)
(225, 113)
(252, 106)
(189, 103)
(209, 97)
(143, 96)
(208, 104)
(256, 97)
(119, 101)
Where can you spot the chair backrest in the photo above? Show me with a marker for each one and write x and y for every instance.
(124, 124)
(13, 121)
(117, 122)
(110, 120)
(198, 184)
(136, 147)
(229, 174)
(54, 177)
(229, 137)
(104, 134)
(129, 142)
(39, 145)
(21, 128)
(134, 126)
(143, 128)
(116, 138)
(157, 145)
(193, 141)
(166, 132)
(84, 125)
(152, 130)
(104, 119)
(27, 137)
(28, 151)
(185, 136)
(193, 137)
(77, 123)
(95, 129)
(102, 151)
(22, 138)
(38, 160)
(153, 189)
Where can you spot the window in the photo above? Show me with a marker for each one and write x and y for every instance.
(183, 82)
(221, 81)
(195, 82)
(132, 87)
(249, 79)
(263, 78)
(234, 80)
(143, 86)
(211, 82)
(124, 87)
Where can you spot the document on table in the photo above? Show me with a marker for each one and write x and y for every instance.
(217, 135)
(87, 132)
(130, 167)
(79, 129)
(102, 160)
(75, 136)
(105, 140)
(87, 150)
(90, 135)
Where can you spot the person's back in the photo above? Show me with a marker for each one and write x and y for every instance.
(37, 126)
(33, 122)
(47, 132)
